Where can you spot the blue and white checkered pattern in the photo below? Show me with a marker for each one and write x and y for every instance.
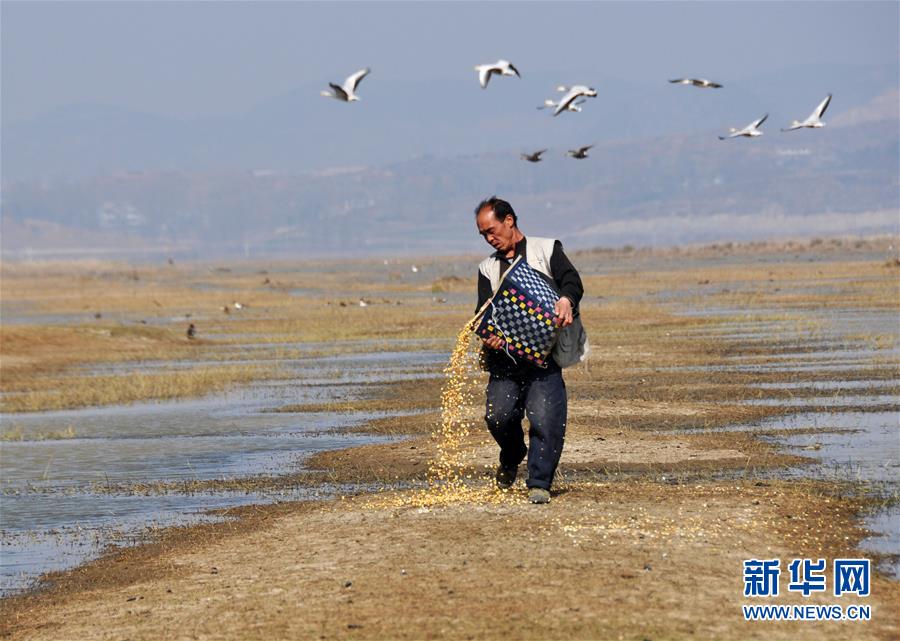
(521, 313)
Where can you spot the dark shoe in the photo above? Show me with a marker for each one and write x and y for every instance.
(539, 495)
(506, 476)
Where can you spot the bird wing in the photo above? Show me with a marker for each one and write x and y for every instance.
(820, 110)
(484, 75)
(584, 149)
(756, 123)
(515, 71)
(565, 101)
(352, 82)
(680, 81)
(339, 91)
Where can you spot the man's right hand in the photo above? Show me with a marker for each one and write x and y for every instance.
(493, 341)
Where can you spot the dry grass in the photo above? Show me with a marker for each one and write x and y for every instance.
(301, 303)
(84, 391)
(31, 350)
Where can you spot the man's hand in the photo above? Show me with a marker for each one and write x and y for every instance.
(563, 310)
(493, 341)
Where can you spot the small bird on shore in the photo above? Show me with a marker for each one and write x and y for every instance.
(750, 131)
(535, 157)
(814, 120)
(191, 332)
(579, 153)
(571, 95)
(363, 303)
(703, 83)
(347, 91)
(501, 67)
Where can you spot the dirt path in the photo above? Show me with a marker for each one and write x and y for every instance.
(630, 560)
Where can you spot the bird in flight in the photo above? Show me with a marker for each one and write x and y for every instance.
(572, 107)
(501, 67)
(814, 121)
(571, 95)
(347, 91)
(703, 83)
(750, 131)
(535, 157)
(579, 153)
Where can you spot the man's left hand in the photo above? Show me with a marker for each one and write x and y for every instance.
(563, 311)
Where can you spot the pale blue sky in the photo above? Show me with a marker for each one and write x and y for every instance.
(185, 59)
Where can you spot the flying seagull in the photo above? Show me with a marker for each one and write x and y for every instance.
(535, 157)
(572, 107)
(579, 153)
(750, 131)
(571, 95)
(346, 92)
(703, 83)
(501, 67)
(814, 121)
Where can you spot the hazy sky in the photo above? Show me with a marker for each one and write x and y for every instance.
(190, 58)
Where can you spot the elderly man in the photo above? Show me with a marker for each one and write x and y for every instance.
(518, 388)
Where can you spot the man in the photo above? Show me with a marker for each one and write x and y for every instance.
(518, 388)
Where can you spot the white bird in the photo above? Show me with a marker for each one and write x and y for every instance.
(414, 269)
(572, 107)
(238, 305)
(750, 131)
(579, 153)
(535, 157)
(572, 94)
(703, 83)
(347, 91)
(363, 303)
(501, 67)
(814, 121)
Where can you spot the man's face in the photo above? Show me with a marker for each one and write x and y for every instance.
(498, 234)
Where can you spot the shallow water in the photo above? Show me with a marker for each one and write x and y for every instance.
(884, 400)
(859, 446)
(56, 514)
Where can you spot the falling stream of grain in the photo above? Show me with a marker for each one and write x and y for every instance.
(448, 481)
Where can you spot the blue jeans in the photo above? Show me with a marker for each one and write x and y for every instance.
(539, 394)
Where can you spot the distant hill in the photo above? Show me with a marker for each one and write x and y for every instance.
(653, 187)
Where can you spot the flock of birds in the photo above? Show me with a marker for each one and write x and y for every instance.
(575, 96)
(571, 100)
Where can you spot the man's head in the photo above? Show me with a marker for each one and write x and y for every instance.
(496, 223)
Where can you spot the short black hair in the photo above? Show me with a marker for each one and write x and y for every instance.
(500, 207)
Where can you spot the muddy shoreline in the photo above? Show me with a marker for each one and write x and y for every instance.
(646, 481)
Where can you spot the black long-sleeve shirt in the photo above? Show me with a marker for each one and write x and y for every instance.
(567, 281)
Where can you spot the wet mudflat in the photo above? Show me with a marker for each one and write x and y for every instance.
(69, 476)
(679, 463)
